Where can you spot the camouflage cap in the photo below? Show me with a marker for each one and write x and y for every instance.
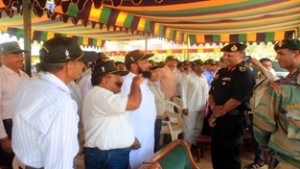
(293, 44)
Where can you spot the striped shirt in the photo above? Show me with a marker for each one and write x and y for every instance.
(280, 133)
(45, 123)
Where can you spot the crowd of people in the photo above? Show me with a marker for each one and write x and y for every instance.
(118, 107)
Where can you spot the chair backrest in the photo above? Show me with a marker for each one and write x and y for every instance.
(175, 155)
(175, 117)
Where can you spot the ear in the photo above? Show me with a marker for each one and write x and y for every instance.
(69, 67)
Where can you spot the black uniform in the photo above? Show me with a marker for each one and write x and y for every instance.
(236, 83)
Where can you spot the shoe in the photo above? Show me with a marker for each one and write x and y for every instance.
(254, 165)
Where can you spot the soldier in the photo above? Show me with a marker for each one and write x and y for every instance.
(228, 99)
(276, 119)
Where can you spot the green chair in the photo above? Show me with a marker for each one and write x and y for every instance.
(175, 155)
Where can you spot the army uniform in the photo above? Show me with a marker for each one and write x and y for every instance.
(277, 120)
(230, 83)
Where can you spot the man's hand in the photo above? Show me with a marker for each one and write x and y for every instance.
(185, 111)
(136, 144)
(6, 145)
(218, 111)
(212, 122)
(138, 80)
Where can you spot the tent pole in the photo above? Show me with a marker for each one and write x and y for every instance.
(146, 43)
(27, 35)
(188, 47)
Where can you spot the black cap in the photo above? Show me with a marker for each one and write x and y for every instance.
(103, 68)
(210, 62)
(102, 55)
(197, 62)
(135, 56)
(292, 44)
(62, 49)
(11, 48)
(234, 47)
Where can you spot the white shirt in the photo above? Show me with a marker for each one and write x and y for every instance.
(159, 98)
(106, 122)
(179, 77)
(262, 84)
(194, 92)
(9, 81)
(143, 120)
(45, 126)
(85, 84)
(76, 95)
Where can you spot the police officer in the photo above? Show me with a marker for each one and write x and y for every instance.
(228, 99)
(277, 118)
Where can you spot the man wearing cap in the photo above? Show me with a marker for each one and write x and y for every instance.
(194, 97)
(144, 117)
(45, 116)
(109, 132)
(168, 77)
(209, 72)
(228, 100)
(276, 119)
(11, 76)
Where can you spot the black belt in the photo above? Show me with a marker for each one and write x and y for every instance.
(27, 167)
(8, 126)
(236, 113)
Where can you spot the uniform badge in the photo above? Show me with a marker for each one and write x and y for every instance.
(280, 43)
(226, 79)
(103, 69)
(224, 83)
(67, 53)
(132, 59)
(16, 45)
(233, 48)
(242, 69)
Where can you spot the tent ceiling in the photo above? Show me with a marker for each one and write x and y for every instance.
(201, 20)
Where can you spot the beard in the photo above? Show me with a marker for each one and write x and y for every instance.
(146, 74)
(118, 84)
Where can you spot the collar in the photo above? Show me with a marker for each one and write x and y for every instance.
(54, 80)
(10, 71)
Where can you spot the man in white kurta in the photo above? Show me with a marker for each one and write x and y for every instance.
(144, 117)
(194, 97)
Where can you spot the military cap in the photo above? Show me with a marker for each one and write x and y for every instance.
(210, 62)
(62, 50)
(102, 55)
(135, 56)
(293, 44)
(234, 47)
(11, 48)
(107, 67)
(197, 62)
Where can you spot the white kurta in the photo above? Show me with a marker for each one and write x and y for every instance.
(194, 97)
(143, 120)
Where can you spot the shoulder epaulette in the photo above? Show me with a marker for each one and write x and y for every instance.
(242, 68)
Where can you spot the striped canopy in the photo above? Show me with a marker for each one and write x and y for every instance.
(194, 21)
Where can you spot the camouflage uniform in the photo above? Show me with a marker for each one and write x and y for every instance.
(277, 121)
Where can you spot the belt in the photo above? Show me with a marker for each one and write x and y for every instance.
(236, 113)
(28, 167)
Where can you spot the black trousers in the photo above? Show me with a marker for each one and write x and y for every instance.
(6, 158)
(227, 138)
